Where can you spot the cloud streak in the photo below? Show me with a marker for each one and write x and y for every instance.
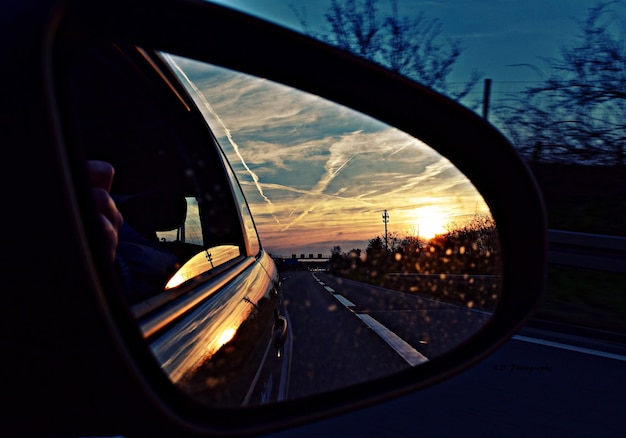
(315, 172)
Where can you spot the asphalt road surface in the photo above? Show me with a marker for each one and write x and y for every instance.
(344, 332)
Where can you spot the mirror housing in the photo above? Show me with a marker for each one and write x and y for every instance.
(76, 358)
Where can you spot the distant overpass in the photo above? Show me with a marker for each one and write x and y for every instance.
(302, 262)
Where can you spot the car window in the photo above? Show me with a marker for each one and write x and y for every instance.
(171, 184)
(190, 233)
(190, 230)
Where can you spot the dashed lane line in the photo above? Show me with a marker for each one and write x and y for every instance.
(343, 300)
(570, 348)
(400, 346)
(404, 349)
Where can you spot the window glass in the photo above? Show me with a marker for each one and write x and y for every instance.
(190, 234)
(190, 231)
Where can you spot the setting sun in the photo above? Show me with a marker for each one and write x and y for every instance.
(428, 222)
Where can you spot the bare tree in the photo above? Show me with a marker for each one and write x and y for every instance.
(355, 26)
(578, 114)
(413, 47)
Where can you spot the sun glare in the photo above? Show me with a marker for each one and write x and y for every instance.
(428, 222)
(226, 336)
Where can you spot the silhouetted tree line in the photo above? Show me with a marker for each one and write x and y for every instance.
(578, 114)
(461, 266)
(413, 47)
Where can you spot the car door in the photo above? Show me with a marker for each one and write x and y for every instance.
(202, 289)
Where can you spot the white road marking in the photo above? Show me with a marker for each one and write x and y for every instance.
(404, 349)
(408, 353)
(570, 348)
(343, 300)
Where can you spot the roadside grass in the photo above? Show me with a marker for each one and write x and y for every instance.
(587, 298)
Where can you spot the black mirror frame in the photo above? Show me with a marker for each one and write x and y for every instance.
(217, 35)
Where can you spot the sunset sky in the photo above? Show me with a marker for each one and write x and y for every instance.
(318, 175)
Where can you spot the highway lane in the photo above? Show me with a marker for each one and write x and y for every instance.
(329, 347)
(344, 332)
(432, 327)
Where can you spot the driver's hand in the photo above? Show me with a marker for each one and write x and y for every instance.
(101, 178)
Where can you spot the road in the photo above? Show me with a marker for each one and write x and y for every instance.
(344, 332)
(545, 381)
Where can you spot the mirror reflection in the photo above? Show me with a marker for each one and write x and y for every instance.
(275, 244)
(387, 254)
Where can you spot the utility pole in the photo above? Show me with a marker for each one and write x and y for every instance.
(385, 220)
(486, 97)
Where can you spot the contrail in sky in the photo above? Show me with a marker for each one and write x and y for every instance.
(234, 144)
(319, 188)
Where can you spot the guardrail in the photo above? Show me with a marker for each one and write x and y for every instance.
(590, 251)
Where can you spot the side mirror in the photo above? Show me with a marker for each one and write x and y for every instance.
(109, 336)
